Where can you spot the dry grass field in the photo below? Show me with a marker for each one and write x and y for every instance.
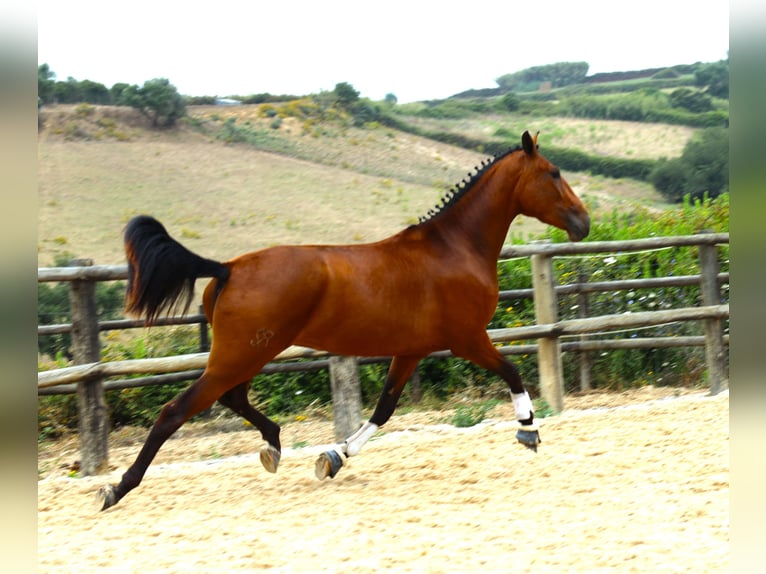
(632, 140)
(98, 166)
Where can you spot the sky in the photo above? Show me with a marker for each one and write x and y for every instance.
(414, 50)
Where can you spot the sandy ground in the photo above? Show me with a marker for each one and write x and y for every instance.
(635, 482)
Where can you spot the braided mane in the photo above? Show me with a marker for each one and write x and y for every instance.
(454, 194)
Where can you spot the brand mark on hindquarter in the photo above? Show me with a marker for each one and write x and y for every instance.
(262, 338)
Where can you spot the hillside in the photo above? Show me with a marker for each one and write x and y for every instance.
(100, 165)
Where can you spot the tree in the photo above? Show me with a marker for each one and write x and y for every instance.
(364, 112)
(559, 75)
(115, 93)
(67, 92)
(708, 156)
(669, 178)
(94, 92)
(345, 95)
(157, 99)
(691, 100)
(391, 99)
(511, 102)
(702, 169)
(714, 78)
(46, 83)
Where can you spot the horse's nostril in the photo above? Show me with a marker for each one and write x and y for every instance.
(578, 226)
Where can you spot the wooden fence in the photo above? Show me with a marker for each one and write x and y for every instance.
(88, 377)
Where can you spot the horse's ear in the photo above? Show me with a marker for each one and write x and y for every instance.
(528, 143)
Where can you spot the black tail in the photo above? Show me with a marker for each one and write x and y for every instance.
(161, 271)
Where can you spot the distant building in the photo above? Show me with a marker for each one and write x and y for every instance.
(227, 102)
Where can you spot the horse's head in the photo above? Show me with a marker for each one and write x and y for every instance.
(543, 193)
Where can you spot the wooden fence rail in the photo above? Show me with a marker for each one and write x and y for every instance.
(88, 378)
(558, 329)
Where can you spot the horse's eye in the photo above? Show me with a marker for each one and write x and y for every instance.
(556, 173)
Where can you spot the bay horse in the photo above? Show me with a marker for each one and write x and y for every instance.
(430, 287)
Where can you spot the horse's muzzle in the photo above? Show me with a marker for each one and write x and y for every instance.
(578, 226)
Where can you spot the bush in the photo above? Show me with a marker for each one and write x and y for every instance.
(346, 96)
(691, 100)
(665, 73)
(702, 170)
(575, 160)
(619, 369)
(714, 78)
(646, 105)
(471, 415)
(53, 308)
(510, 102)
(288, 393)
(140, 406)
(157, 99)
(365, 112)
(56, 415)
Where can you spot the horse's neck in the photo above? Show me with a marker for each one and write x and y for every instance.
(480, 220)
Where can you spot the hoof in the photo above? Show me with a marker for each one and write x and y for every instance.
(106, 496)
(270, 458)
(328, 464)
(529, 438)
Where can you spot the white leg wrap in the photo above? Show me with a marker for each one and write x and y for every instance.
(356, 441)
(522, 405)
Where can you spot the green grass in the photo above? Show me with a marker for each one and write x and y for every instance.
(471, 415)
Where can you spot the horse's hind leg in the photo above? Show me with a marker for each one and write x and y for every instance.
(198, 397)
(487, 356)
(329, 463)
(236, 400)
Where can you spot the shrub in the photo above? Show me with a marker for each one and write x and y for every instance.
(645, 105)
(691, 100)
(510, 102)
(53, 308)
(84, 110)
(157, 99)
(141, 405)
(575, 160)
(624, 368)
(471, 415)
(702, 170)
(56, 415)
(346, 96)
(665, 73)
(365, 112)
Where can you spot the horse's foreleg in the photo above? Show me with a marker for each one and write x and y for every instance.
(236, 400)
(329, 463)
(488, 357)
(198, 397)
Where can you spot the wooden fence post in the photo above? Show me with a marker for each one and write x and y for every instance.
(92, 413)
(415, 391)
(549, 348)
(583, 310)
(204, 339)
(715, 354)
(346, 396)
